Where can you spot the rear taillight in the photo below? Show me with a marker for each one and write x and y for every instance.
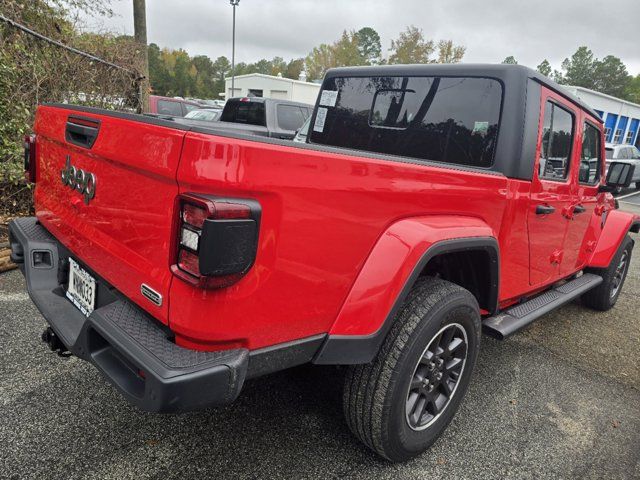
(217, 239)
(30, 158)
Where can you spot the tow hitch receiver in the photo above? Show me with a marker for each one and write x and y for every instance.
(55, 344)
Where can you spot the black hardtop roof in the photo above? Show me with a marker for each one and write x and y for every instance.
(508, 74)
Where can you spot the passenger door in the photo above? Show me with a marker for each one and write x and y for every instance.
(584, 216)
(551, 189)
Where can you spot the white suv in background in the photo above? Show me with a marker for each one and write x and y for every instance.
(627, 154)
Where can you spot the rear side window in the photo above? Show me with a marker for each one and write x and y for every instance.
(167, 107)
(290, 117)
(441, 119)
(590, 157)
(557, 138)
(251, 113)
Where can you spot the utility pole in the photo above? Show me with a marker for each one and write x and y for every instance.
(140, 36)
(234, 3)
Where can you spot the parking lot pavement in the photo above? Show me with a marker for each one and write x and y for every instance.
(560, 400)
(630, 199)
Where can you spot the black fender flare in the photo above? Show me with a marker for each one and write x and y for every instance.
(359, 349)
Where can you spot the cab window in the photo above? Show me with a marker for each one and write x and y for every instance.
(590, 157)
(557, 139)
(453, 120)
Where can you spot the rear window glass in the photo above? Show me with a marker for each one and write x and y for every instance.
(251, 113)
(442, 119)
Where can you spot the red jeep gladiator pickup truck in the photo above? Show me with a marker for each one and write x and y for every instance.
(429, 203)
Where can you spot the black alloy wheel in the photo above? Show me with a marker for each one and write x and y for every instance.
(435, 378)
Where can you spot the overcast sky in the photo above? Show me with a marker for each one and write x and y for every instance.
(530, 30)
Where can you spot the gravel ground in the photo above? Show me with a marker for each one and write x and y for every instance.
(560, 400)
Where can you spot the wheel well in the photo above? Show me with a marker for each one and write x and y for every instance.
(472, 270)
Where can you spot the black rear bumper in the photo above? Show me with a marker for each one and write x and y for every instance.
(131, 349)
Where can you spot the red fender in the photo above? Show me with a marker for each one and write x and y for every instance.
(617, 225)
(391, 263)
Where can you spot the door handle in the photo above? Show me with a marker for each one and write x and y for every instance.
(579, 209)
(82, 131)
(544, 209)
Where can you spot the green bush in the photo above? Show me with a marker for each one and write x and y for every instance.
(33, 71)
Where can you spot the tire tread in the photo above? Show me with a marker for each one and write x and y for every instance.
(598, 298)
(366, 385)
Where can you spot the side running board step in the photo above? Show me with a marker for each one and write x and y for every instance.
(515, 318)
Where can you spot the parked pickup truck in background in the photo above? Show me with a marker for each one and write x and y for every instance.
(428, 203)
(625, 154)
(267, 117)
(174, 107)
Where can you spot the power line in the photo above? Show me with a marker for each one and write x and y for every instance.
(66, 47)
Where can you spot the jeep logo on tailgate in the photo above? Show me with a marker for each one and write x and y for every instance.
(77, 179)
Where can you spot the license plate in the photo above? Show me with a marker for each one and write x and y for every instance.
(82, 288)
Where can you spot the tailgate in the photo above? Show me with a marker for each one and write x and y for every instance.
(123, 232)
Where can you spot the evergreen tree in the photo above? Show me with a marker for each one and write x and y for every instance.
(369, 45)
(610, 76)
(579, 70)
(545, 68)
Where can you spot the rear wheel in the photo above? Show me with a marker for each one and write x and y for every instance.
(399, 404)
(605, 295)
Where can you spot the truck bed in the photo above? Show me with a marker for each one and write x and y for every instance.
(323, 209)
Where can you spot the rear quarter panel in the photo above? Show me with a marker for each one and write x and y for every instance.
(322, 214)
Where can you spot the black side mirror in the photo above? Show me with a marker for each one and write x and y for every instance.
(619, 175)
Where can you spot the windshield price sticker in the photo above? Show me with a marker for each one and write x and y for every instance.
(328, 98)
(321, 116)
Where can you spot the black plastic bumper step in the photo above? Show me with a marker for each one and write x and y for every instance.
(131, 349)
(515, 318)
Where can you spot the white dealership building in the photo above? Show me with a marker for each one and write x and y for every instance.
(269, 86)
(621, 118)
